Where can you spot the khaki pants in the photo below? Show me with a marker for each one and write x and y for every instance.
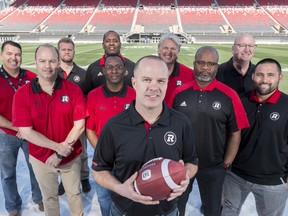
(47, 177)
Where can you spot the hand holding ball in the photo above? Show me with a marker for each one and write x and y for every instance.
(158, 177)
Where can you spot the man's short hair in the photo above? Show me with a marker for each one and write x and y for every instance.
(12, 43)
(111, 31)
(269, 60)
(172, 37)
(65, 40)
(151, 57)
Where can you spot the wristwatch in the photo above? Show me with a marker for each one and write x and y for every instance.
(227, 167)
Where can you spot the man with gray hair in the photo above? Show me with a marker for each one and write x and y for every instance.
(168, 49)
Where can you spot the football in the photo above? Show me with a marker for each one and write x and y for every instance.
(158, 177)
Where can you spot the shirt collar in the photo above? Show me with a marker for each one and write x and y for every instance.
(175, 71)
(18, 76)
(210, 87)
(102, 60)
(272, 99)
(236, 73)
(121, 93)
(36, 88)
(136, 118)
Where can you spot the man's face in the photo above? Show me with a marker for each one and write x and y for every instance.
(243, 48)
(111, 44)
(114, 70)
(150, 83)
(205, 66)
(168, 51)
(266, 78)
(11, 58)
(66, 52)
(47, 63)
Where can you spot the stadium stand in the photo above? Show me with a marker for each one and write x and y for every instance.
(53, 3)
(73, 19)
(272, 2)
(157, 2)
(6, 12)
(119, 19)
(117, 3)
(235, 2)
(201, 19)
(189, 3)
(279, 13)
(77, 3)
(248, 19)
(25, 19)
(153, 19)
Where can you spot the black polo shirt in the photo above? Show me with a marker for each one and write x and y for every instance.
(228, 75)
(125, 145)
(95, 76)
(262, 157)
(77, 75)
(214, 112)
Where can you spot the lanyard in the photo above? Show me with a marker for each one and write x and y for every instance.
(6, 76)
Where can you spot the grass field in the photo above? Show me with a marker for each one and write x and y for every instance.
(88, 53)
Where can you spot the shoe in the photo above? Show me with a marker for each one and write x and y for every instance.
(61, 189)
(41, 206)
(86, 187)
(14, 213)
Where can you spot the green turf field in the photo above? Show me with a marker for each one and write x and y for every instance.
(87, 53)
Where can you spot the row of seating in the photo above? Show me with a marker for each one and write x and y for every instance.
(192, 19)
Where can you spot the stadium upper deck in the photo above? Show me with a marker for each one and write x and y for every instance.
(145, 16)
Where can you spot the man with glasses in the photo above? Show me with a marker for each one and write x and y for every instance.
(102, 103)
(237, 72)
(217, 117)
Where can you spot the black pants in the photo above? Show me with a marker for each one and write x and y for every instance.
(210, 182)
(184, 198)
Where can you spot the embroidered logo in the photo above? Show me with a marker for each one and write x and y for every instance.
(100, 74)
(76, 78)
(170, 138)
(126, 106)
(178, 82)
(274, 116)
(65, 99)
(216, 105)
(183, 103)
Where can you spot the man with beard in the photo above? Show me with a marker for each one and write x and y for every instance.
(217, 117)
(168, 49)
(112, 46)
(261, 164)
(237, 72)
(72, 72)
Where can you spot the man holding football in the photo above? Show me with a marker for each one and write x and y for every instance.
(147, 129)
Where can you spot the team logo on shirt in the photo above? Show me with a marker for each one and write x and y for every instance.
(178, 82)
(170, 138)
(126, 106)
(216, 105)
(27, 81)
(65, 99)
(76, 78)
(100, 74)
(274, 116)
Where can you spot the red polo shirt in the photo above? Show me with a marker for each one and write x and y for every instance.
(102, 104)
(7, 93)
(53, 116)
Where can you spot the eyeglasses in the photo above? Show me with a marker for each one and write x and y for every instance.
(116, 67)
(250, 46)
(203, 63)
